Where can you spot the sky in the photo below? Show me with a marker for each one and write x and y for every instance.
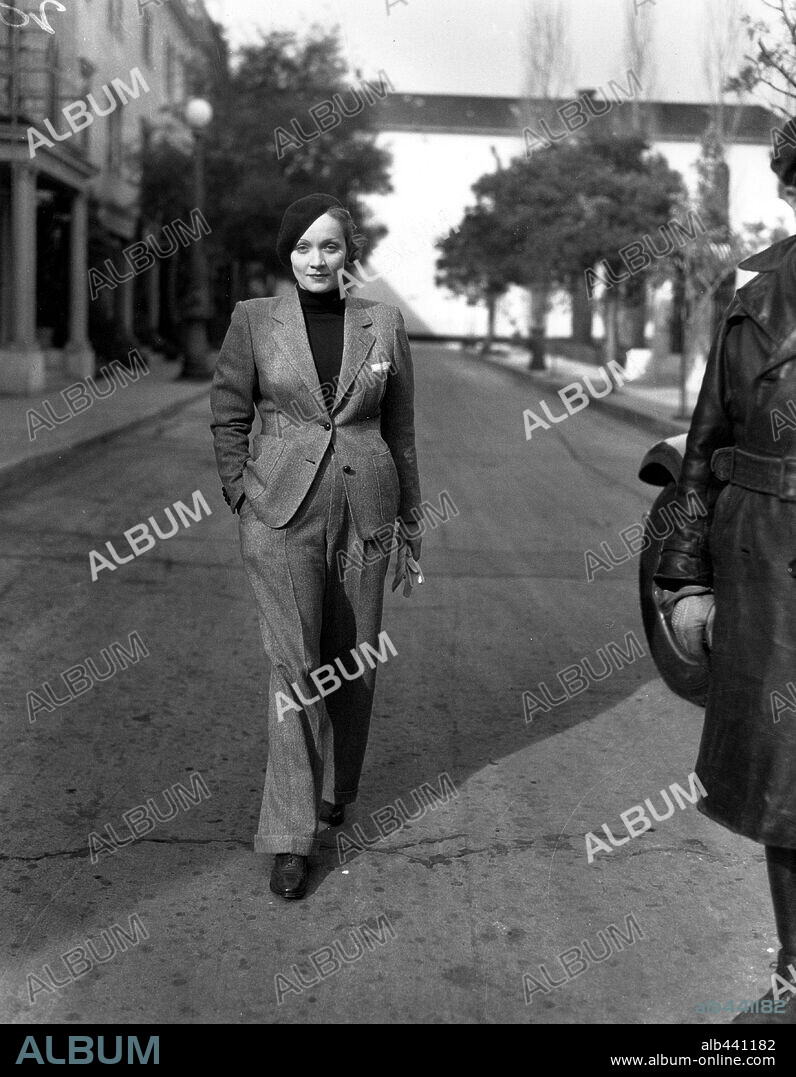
(481, 47)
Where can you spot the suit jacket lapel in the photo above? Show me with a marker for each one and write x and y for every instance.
(291, 335)
(357, 342)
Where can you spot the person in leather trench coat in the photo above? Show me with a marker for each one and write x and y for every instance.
(740, 461)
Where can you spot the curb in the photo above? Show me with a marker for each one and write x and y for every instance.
(13, 473)
(657, 426)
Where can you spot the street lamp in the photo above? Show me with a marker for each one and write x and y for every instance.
(198, 115)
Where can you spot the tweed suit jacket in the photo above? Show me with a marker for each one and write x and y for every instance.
(265, 364)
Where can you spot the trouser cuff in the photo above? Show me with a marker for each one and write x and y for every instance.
(284, 843)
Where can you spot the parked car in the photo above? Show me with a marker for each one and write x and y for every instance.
(683, 674)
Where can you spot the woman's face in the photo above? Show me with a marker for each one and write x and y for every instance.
(319, 254)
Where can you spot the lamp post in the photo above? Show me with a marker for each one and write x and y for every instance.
(198, 115)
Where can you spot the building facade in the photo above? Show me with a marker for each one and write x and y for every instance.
(83, 86)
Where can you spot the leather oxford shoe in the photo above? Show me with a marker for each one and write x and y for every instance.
(289, 876)
(333, 814)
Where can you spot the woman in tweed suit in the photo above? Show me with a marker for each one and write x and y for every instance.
(332, 470)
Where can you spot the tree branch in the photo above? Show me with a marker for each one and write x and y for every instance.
(788, 21)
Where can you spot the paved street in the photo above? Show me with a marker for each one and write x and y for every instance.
(492, 883)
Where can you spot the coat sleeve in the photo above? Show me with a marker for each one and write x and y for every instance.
(398, 423)
(232, 403)
(684, 557)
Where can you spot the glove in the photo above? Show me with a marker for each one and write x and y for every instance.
(407, 569)
(690, 613)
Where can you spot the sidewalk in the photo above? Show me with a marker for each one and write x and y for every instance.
(161, 392)
(155, 394)
(647, 406)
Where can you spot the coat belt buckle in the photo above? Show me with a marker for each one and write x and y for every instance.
(787, 481)
(721, 463)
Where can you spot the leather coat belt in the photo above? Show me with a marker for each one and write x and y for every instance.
(775, 475)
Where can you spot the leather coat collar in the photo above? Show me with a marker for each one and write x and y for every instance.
(770, 298)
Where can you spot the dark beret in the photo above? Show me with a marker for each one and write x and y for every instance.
(298, 217)
(783, 159)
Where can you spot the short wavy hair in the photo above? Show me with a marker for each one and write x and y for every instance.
(355, 241)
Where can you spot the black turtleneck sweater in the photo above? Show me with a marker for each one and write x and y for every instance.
(324, 315)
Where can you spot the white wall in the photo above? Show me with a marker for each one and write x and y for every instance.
(432, 177)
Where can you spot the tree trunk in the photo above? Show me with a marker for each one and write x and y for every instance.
(611, 349)
(539, 307)
(695, 346)
(679, 313)
(581, 312)
(540, 304)
(635, 313)
(491, 304)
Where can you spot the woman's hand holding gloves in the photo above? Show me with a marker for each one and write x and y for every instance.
(407, 568)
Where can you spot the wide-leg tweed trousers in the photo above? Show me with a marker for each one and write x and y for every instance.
(309, 617)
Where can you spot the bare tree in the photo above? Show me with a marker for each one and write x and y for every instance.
(549, 74)
(549, 67)
(722, 40)
(639, 44)
(708, 266)
(770, 69)
(639, 33)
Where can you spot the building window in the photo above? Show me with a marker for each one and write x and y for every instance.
(182, 79)
(115, 16)
(187, 80)
(53, 79)
(114, 154)
(171, 73)
(146, 32)
(87, 72)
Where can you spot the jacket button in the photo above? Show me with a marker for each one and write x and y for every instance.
(326, 426)
(348, 470)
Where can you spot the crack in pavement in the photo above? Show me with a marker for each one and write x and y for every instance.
(444, 858)
(83, 853)
(81, 558)
(676, 849)
(431, 862)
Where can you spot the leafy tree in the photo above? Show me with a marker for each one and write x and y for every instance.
(252, 180)
(473, 262)
(558, 213)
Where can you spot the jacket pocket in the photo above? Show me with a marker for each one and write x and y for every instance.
(371, 386)
(266, 453)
